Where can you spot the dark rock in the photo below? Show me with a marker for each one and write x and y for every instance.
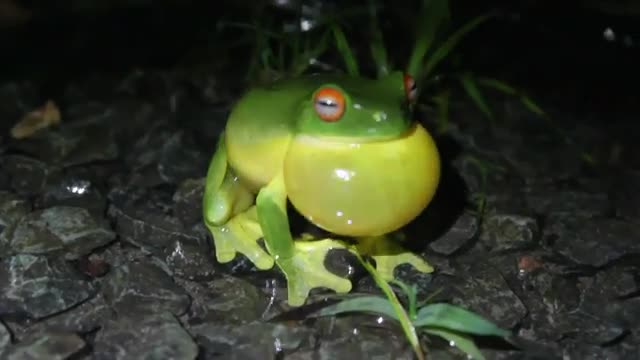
(166, 156)
(592, 241)
(508, 232)
(68, 230)
(12, 209)
(28, 176)
(82, 319)
(5, 337)
(144, 337)
(39, 287)
(74, 190)
(462, 231)
(145, 218)
(190, 261)
(143, 288)
(479, 287)
(188, 201)
(226, 300)
(46, 346)
(254, 340)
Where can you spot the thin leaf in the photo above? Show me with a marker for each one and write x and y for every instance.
(532, 106)
(462, 342)
(374, 304)
(378, 50)
(345, 50)
(471, 87)
(448, 45)
(498, 85)
(433, 14)
(455, 318)
(509, 90)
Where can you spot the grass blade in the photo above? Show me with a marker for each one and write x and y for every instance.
(433, 14)
(378, 50)
(462, 342)
(510, 90)
(345, 50)
(471, 87)
(374, 304)
(455, 318)
(448, 45)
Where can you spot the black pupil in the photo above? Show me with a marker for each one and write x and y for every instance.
(327, 102)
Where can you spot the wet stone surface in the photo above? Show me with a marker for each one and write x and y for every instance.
(104, 255)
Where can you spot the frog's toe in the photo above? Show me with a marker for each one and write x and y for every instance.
(386, 264)
(306, 271)
(238, 237)
(389, 254)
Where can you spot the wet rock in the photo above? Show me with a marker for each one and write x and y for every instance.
(548, 199)
(502, 232)
(166, 156)
(462, 231)
(12, 209)
(5, 337)
(255, 340)
(190, 261)
(82, 319)
(225, 300)
(144, 217)
(28, 176)
(151, 337)
(188, 201)
(625, 195)
(38, 287)
(142, 287)
(481, 288)
(74, 190)
(46, 346)
(68, 230)
(362, 346)
(592, 241)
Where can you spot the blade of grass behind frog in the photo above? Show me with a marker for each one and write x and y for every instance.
(450, 43)
(471, 87)
(432, 15)
(509, 90)
(455, 318)
(462, 342)
(345, 50)
(378, 50)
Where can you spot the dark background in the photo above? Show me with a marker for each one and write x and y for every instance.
(546, 46)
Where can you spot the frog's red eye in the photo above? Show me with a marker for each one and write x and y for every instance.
(329, 104)
(410, 88)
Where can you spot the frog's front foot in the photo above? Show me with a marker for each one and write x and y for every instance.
(240, 235)
(305, 270)
(388, 255)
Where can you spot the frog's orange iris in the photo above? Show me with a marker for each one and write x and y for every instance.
(329, 104)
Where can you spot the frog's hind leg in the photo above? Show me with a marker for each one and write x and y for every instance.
(389, 254)
(229, 214)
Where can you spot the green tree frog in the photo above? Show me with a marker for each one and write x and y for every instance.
(344, 152)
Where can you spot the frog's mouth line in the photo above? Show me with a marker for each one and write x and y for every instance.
(355, 140)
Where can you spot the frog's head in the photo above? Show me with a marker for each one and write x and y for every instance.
(347, 108)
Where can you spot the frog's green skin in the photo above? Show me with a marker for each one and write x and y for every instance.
(366, 175)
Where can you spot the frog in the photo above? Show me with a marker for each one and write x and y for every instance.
(345, 152)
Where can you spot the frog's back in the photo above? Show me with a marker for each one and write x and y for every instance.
(260, 128)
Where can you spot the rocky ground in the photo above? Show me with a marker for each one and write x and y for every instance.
(103, 253)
